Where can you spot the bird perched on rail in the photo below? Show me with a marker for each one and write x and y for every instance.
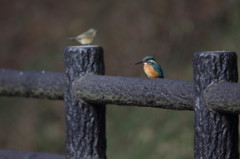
(151, 68)
(85, 38)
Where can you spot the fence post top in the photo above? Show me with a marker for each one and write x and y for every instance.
(213, 52)
(83, 46)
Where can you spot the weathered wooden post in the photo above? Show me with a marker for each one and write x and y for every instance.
(216, 134)
(85, 122)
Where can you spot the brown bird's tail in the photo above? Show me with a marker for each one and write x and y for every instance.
(72, 38)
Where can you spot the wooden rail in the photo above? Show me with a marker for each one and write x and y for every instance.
(177, 95)
(35, 84)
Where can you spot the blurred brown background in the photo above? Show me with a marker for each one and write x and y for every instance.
(33, 36)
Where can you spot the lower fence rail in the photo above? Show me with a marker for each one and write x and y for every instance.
(16, 154)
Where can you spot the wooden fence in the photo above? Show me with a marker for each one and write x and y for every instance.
(214, 96)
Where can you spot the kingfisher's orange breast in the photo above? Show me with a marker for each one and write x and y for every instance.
(150, 72)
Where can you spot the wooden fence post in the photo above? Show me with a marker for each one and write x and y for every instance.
(85, 122)
(216, 134)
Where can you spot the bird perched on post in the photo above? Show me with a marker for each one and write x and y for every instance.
(151, 68)
(85, 38)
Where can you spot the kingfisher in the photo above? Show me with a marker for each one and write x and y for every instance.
(85, 38)
(151, 68)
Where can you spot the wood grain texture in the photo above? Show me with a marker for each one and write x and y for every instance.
(216, 134)
(85, 123)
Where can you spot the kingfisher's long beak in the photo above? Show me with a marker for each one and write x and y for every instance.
(139, 62)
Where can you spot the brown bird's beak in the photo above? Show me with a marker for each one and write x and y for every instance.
(139, 62)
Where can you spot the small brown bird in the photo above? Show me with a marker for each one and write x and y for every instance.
(85, 38)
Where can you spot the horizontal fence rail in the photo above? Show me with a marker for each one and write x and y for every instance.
(17, 154)
(36, 84)
(223, 97)
(162, 93)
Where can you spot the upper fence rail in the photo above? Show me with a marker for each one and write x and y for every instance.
(36, 84)
(160, 93)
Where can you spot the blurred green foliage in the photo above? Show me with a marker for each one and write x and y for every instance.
(33, 35)
(149, 133)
